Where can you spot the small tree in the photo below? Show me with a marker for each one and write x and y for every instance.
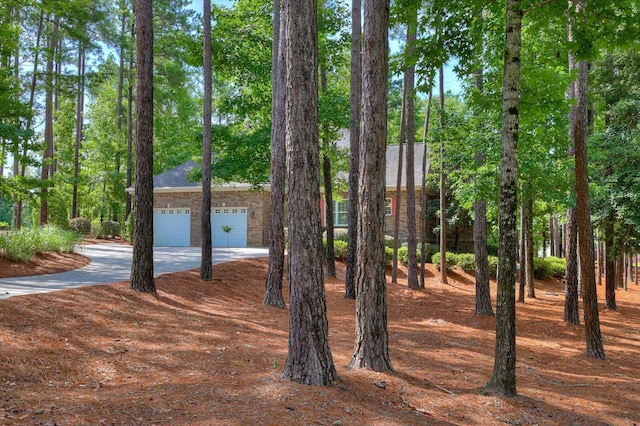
(227, 230)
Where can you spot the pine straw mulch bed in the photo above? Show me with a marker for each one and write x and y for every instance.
(211, 353)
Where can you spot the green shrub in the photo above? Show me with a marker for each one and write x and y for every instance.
(549, 267)
(388, 257)
(430, 250)
(542, 268)
(558, 266)
(341, 234)
(81, 225)
(110, 229)
(340, 249)
(466, 261)
(452, 259)
(403, 255)
(388, 241)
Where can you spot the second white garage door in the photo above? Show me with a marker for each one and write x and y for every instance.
(231, 217)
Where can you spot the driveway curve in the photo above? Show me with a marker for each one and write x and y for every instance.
(112, 262)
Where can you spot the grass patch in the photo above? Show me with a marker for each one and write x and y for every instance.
(22, 245)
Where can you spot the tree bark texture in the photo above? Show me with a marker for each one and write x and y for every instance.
(571, 310)
(423, 191)
(483, 294)
(531, 290)
(619, 269)
(610, 268)
(273, 286)
(328, 197)
(483, 291)
(396, 221)
(127, 207)
(354, 147)
(372, 340)
(443, 203)
(79, 125)
(594, 343)
(206, 259)
(17, 205)
(410, 74)
(142, 264)
(47, 155)
(522, 273)
(309, 359)
(503, 380)
(599, 248)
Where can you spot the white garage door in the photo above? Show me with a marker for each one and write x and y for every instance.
(171, 227)
(233, 220)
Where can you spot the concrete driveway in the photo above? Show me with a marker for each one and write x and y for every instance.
(112, 262)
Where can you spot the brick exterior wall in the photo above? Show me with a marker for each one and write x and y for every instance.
(459, 238)
(256, 202)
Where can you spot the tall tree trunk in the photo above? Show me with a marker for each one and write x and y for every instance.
(354, 147)
(628, 272)
(599, 247)
(206, 260)
(309, 359)
(328, 194)
(127, 208)
(142, 264)
(79, 124)
(483, 294)
(559, 237)
(619, 269)
(503, 380)
(522, 273)
(412, 264)
(595, 347)
(531, 291)
(17, 206)
(423, 191)
(120, 95)
(552, 236)
(610, 261)
(443, 203)
(372, 339)
(328, 191)
(483, 291)
(396, 222)
(47, 156)
(273, 286)
(571, 310)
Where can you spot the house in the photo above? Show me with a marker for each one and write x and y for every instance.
(177, 207)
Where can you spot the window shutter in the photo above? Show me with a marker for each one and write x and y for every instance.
(393, 206)
(322, 211)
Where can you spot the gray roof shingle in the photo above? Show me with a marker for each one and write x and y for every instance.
(177, 177)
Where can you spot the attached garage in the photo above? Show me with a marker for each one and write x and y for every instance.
(232, 219)
(171, 227)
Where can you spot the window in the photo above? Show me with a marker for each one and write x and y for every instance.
(388, 207)
(341, 213)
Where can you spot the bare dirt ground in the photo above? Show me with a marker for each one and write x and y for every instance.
(212, 354)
